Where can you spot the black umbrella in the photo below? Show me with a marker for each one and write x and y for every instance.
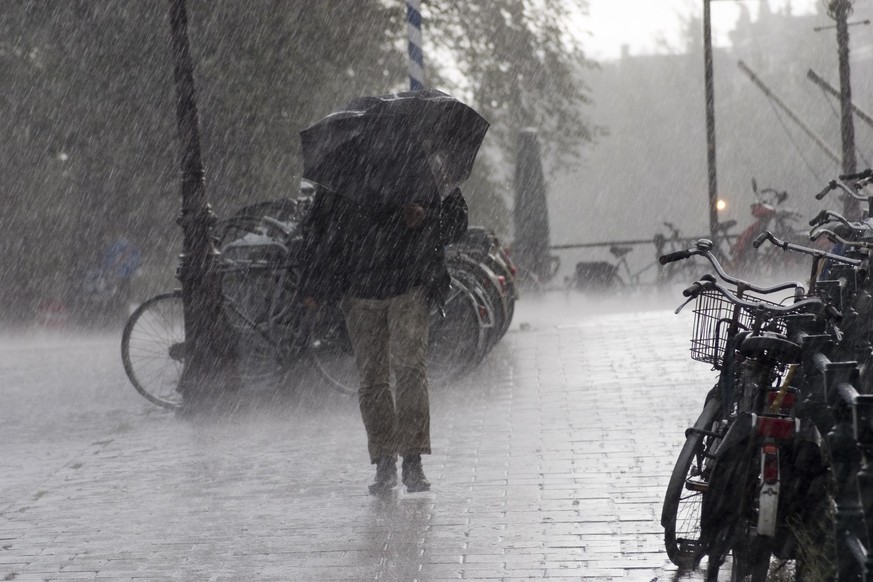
(392, 149)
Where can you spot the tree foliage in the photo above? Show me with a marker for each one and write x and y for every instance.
(90, 140)
(523, 64)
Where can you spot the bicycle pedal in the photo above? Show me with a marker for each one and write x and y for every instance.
(690, 553)
(698, 486)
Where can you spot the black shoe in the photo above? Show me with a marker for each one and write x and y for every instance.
(386, 476)
(413, 475)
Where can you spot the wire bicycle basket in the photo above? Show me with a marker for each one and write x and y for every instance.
(713, 314)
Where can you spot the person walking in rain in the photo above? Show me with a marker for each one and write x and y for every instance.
(388, 265)
(388, 169)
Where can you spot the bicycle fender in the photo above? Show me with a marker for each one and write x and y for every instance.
(738, 433)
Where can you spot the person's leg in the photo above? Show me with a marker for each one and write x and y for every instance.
(367, 323)
(408, 320)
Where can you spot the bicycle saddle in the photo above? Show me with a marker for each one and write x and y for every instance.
(619, 252)
(779, 348)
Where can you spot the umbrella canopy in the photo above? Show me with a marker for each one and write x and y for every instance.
(392, 149)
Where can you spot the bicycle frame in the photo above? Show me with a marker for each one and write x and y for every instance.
(759, 429)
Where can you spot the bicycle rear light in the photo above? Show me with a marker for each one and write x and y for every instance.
(770, 464)
(775, 427)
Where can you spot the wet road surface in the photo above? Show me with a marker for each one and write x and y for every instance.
(550, 461)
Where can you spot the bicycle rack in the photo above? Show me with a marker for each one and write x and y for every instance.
(851, 445)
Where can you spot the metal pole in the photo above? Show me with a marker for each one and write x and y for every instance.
(710, 122)
(840, 10)
(818, 80)
(208, 353)
(416, 55)
(793, 116)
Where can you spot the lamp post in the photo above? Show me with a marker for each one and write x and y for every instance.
(208, 351)
(710, 121)
(840, 10)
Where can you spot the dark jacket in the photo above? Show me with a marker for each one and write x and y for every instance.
(371, 253)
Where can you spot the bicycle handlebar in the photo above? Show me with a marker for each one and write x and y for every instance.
(862, 175)
(838, 184)
(697, 286)
(673, 257)
(802, 306)
(759, 240)
(831, 185)
(703, 248)
(828, 215)
(836, 238)
(787, 246)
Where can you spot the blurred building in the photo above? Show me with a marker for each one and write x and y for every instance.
(651, 166)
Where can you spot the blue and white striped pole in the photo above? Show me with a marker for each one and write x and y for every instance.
(416, 56)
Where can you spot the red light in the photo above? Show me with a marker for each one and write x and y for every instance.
(777, 428)
(770, 469)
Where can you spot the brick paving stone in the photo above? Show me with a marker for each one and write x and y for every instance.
(550, 461)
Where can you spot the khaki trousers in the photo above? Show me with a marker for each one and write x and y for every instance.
(391, 334)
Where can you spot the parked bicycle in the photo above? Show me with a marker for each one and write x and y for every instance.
(278, 337)
(751, 472)
(769, 213)
(604, 276)
(756, 479)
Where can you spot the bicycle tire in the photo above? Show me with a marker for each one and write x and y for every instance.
(329, 349)
(509, 287)
(750, 554)
(498, 300)
(152, 349)
(680, 516)
(258, 308)
(750, 564)
(456, 342)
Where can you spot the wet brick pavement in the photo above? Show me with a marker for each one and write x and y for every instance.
(550, 461)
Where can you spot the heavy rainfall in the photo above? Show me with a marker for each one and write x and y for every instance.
(588, 311)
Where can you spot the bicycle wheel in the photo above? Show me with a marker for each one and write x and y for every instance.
(507, 280)
(728, 516)
(481, 280)
(153, 349)
(751, 559)
(680, 515)
(750, 553)
(257, 301)
(329, 348)
(456, 340)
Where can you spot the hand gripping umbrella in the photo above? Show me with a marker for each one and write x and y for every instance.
(391, 149)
